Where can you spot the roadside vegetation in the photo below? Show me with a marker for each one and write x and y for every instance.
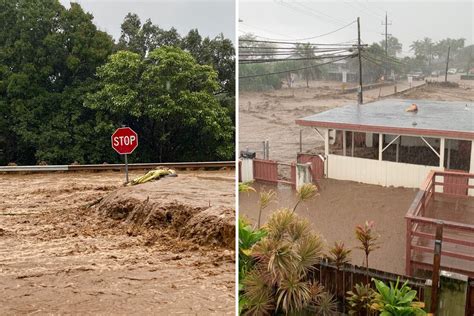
(65, 86)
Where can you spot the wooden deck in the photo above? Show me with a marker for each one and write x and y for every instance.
(454, 213)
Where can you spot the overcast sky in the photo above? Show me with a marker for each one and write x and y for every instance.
(210, 17)
(411, 20)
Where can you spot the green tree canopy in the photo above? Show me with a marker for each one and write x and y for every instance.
(49, 55)
(168, 98)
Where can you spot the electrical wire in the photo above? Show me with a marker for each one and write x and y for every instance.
(259, 61)
(309, 38)
(294, 43)
(298, 69)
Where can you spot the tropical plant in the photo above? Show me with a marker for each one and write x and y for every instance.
(392, 300)
(266, 197)
(247, 238)
(325, 305)
(280, 280)
(340, 255)
(304, 193)
(360, 300)
(246, 187)
(307, 52)
(367, 237)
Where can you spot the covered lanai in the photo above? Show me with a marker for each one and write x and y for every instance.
(383, 143)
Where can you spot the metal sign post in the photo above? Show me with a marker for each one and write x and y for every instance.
(124, 142)
(126, 169)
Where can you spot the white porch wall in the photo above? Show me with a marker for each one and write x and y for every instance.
(385, 173)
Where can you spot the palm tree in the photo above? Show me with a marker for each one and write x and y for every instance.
(306, 51)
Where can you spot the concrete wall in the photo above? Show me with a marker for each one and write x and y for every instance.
(385, 173)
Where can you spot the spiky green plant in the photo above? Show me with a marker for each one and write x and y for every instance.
(360, 300)
(304, 193)
(257, 299)
(326, 305)
(340, 255)
(283, 260)
(246, 187)
(367, 236)
(293, 293)
(395, 300)
(266, 197)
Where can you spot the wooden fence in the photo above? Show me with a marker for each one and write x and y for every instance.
(339, 281)
(267, 171)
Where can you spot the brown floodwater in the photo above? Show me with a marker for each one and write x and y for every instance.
(341, 206)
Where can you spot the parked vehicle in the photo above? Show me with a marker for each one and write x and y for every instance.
(435, 73)
(418, 75)
(452, 71)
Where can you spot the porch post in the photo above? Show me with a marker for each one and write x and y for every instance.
(352, 144)
(380, 146)
(326, 142)
(398, 148)
(441, 151)
(344, 143)
(448, 163)
(471, 169)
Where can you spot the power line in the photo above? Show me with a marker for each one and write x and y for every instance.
(310, 9)
(293, 43)
(261, 28)
(257, 54)
(384, 58)
(278, 48)
(260, 61)
(308, 12)
(309, 38)
(293, 70)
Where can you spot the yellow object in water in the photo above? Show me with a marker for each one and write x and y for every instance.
(153, 175)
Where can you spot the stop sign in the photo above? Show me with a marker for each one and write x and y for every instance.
(124, 140)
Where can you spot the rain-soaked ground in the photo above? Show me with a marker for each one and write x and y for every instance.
(341, 206)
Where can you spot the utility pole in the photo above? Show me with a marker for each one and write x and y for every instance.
(386, 41)
(447, 63)
(360, 96)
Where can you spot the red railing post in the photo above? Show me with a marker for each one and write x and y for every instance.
(408, 248)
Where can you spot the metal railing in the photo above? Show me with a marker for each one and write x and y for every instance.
(132, 166)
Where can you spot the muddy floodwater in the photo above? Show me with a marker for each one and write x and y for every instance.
(341, 206)
(60, 253)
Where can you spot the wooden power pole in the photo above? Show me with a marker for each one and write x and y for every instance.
(361, 98)
(447, 64)
(386, 43)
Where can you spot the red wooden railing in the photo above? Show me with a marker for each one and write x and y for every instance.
(458, 239)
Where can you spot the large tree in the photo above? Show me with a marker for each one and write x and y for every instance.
(49, 55)
(169, 99)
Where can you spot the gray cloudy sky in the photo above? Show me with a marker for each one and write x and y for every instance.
(411, 20)
(210, 17)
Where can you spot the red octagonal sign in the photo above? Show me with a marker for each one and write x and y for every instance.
(124, 140)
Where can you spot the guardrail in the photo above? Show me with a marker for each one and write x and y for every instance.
(458, 241)
(131, 166)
